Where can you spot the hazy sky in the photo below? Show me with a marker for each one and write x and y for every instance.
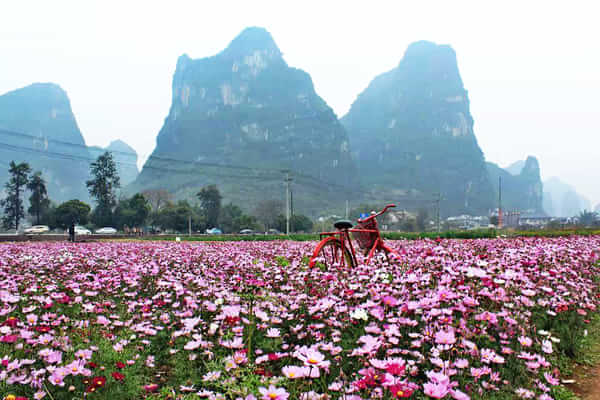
(531, 67)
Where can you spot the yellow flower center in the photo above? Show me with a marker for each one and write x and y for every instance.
(10, 397)
(292, 374)
(272, 396)
(312, 361)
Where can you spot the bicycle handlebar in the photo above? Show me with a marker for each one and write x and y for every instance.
(391, 205)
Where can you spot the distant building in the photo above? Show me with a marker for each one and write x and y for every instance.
(466, 221)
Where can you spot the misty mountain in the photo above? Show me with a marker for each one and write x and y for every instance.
(412, 129)
(562, 200)
(522, 190)
(516, 167)
(125, 157)
(37, 126)
(239, 119)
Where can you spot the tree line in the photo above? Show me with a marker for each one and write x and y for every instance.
(155, 209)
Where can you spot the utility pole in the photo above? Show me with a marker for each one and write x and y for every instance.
(438, 201)
(499, 202)
(287, 202)
(190, 225)
(347, 210)
(292, 208)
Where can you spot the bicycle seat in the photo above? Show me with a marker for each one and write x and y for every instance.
(343, 224)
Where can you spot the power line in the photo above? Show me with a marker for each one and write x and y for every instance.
(316, 182)
(153, 158)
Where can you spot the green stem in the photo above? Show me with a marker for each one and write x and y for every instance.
(47, 391)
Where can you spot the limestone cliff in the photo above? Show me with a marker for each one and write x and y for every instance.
(411, 130)
(241, 117)
(522, 188)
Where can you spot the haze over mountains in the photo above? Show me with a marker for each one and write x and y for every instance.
(412, 129)
(37, 126)
(241, 118)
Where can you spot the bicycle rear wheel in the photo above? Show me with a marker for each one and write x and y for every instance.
(329, 253)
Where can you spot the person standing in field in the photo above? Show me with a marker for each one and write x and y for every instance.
(72, 232)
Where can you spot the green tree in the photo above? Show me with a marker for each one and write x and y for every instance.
(267, 211)
(587, 218)
(132, 212)
(157, 198)
(298, 223)
(38, 201)
(102, 187)
(422, 216)
(72, 211)
(176, 217)
(232, 219)
(408, 225)
(13, 203)
(210, 204)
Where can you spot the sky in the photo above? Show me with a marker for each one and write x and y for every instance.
(531, 67)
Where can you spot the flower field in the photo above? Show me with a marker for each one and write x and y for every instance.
(489, 318)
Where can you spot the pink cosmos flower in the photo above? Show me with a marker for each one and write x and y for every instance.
(273, 393)
(445, 337)
(312, 358)
(390, 301)
(295, 372)
(436, 390)
(551, 379)
(458, 395)
(525, 341)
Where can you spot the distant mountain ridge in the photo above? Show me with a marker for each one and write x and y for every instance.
(243, 117)
(125, 157)
(562, 200)
(521, 191)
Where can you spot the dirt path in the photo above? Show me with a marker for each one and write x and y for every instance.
(587, 382)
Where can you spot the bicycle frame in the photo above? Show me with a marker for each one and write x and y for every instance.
(344, 237)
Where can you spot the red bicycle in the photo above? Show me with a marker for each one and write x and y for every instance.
(335, 248)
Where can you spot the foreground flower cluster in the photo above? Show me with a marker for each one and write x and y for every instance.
(249, 320)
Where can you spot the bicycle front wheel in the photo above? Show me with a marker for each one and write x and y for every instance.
(329, 254)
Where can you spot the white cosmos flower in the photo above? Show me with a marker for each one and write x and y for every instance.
(359, 313)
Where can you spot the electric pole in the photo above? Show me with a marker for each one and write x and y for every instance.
(438, 201)
(292, 209)
(347, 210)
(190, 225)
(287, 202)
(500, 202)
